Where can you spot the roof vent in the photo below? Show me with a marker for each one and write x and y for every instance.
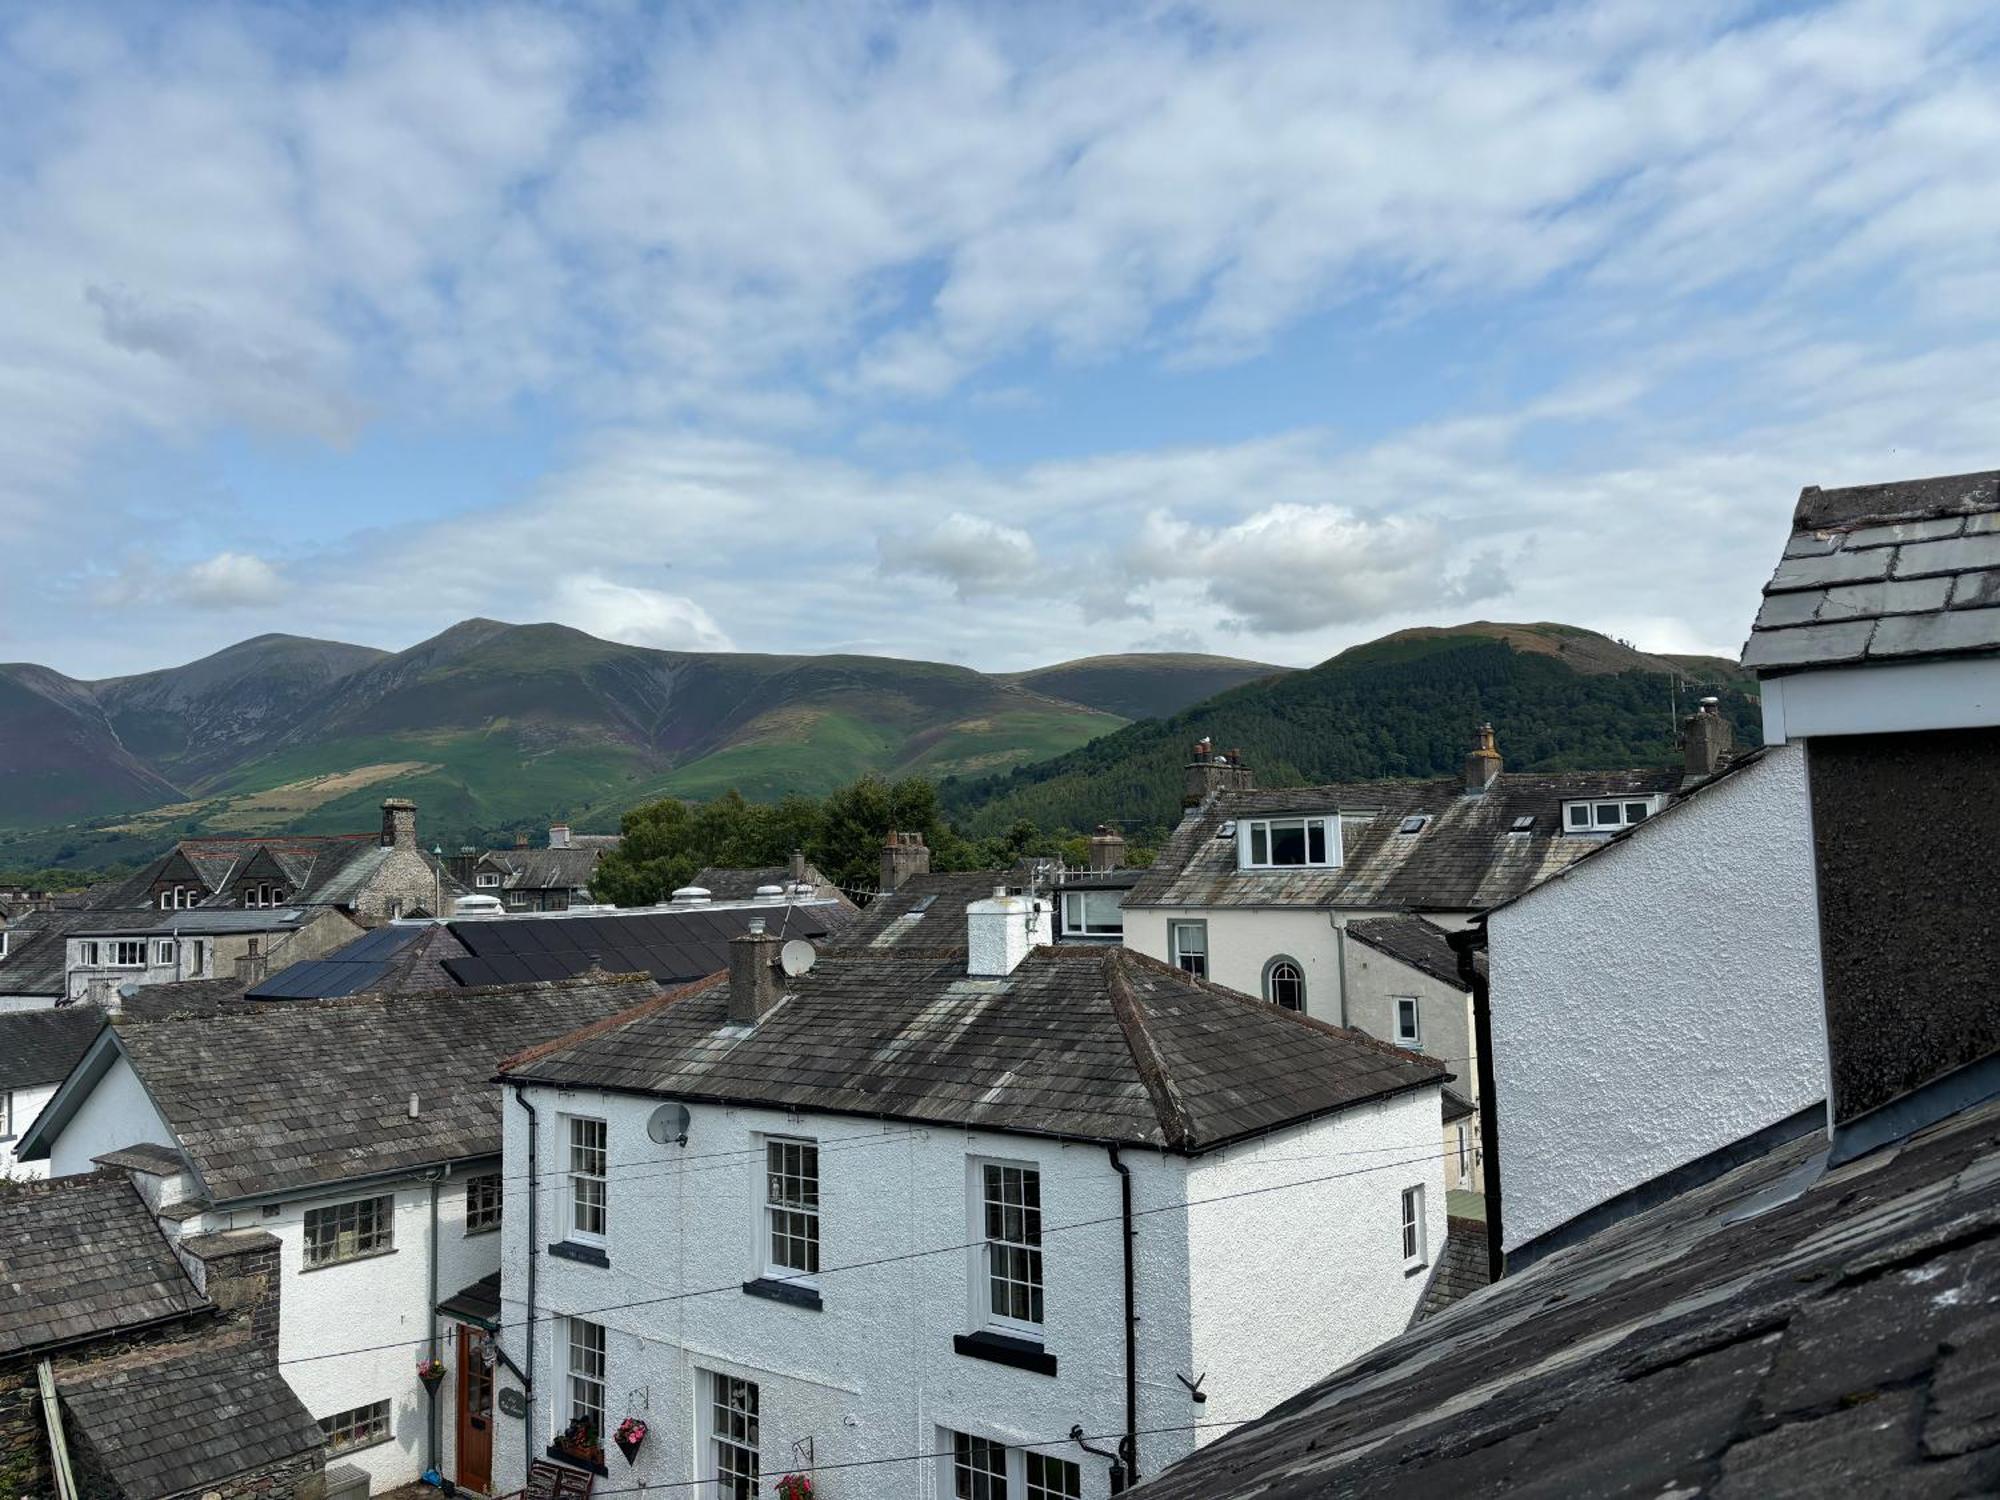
(1227, 830)
(756, 926)
(770, 893)
(691, 895)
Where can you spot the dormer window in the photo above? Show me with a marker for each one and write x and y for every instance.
(1607, 815)
(1280, 843)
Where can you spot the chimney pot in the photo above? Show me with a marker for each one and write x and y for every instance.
(903, 855)
(1483, 763)
(1107, 849)
(755, 984)
(1208, 773)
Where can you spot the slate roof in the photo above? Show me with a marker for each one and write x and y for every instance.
(179, 1418)
(290, 1097)
(925, 912)
(742, 884)
(36, 952)
(308, 861)
(479, 1302)
(200, 921)
(81, 1257)
(1413, 942)
(543, 869)
(1884, 572)
(185, 997)
(1465, 858)
(673, 944)
(1735, 1341)
(1460, 1271)
(399, 956)
(1087, 1044)
(41, 1046)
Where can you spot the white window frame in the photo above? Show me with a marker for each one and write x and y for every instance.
(712, 1391)
(1412, 1229)
(1076, 914)
(379, 1239)
(984, 1317)
(798, 1219)
(1174, 953)
(1464, 1151)
(364, 1425)
(86, 953)
(1607, 814)
(163, 951)
(586, 1376)
(1021, 1472)
(486, 880)
(1251, 833)
(122, 947)
(579, 1177)
(1413, 1037)
(1271, 967)
(7, 1131)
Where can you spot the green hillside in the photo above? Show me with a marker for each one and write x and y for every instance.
(1560, 699)
(1143, 686)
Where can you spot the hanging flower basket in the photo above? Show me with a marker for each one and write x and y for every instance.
(795, 1487)
(631, 1434)
(431, 1373)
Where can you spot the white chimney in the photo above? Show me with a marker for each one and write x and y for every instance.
(1000, 930)
(558, 835)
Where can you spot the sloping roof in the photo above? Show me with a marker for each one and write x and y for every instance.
(743, 884)
(673, 944)
(289, 1097)
(395, 957)
(1461, 1269)
(1414, 942)
(544, 869)
(201, 921)
(1884, 572)
(925, 912)
(41, 1046)
(599, 841)
(36, 952)
(1735, 1340)
(179, 1418)
(1092, 1044)
(186, 997)
(309, 861)
(81, 1257)
(1466, 857)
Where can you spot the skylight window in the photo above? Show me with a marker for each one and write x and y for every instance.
(1413, 824)
(1524, 824)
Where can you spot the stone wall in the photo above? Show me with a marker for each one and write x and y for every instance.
(24, 1466)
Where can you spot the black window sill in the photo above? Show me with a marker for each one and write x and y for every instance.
(590, 1255)
(1020, 1354)
(345, 1260)
(788, 1292)
(1409, 1271)
(562, 1456)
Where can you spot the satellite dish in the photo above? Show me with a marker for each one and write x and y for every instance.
(668, 1125)
(797, 957)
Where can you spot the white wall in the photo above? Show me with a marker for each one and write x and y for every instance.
(1659, 1001)
(1293, 1283)
(28, 1102)
(114, 1115)
(1376, 981)
(1240, 943)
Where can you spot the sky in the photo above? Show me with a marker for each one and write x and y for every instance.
(999, 334)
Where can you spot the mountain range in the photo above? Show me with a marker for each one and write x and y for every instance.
(493, 727)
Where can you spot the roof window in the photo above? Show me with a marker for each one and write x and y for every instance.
(1414, 823)
(1608, 814)
(1523, 824)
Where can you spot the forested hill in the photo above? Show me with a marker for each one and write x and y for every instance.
(1407, 705)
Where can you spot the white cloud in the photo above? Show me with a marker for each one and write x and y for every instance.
(974, 555)
(636, 616)
(230, 580)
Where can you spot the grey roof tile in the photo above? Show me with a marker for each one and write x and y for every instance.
(41, 1046)
(1799, 608)
(1904, 531)
(1413, 941)
(1813, 544)
(1842, 1340)
(1867, 601)
(1930, 635)
(1809, 645)
(1976, 590)
(925, 912)
(1927, 559)
(1094, 1044)
(1838, 567)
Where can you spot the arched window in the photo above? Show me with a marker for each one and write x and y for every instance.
(1285, 983)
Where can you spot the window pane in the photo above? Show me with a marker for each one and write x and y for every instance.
(733, 1435)
(1579, 816)
(1013, 1218)
(1288, 843)
(1260, 844)
(1635, 812)
(1053, 1478)
(1607, 814)
(1316, 841)
(978, 1468)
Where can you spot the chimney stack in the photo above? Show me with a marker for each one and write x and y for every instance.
(1482, 764)
(1706, 739)
(1210, 771)
(1000, 931)
(903, 855)
(520, 841)
(1107, 849)
(797, 869)
(558, 835)
(755, 984)
(399, 823)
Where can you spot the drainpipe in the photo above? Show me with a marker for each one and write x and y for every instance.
(436, 1180)
(1128, 1447)
(1465, 943)
(534, 1249)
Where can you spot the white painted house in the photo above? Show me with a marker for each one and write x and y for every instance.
(37, 1050)
(1656, 1003)
(364, 1134)
(924, 1225)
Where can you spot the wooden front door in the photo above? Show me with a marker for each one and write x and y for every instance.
(475, 1411)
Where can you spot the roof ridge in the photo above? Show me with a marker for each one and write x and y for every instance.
(1176, 1124)
(644, 1008)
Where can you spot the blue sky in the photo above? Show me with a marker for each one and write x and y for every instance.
(995, 334)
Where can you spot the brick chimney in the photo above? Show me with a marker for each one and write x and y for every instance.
(1107, 849)
(903, 855)
(755, 984)
(1482, 763)
(1706, 739)
(399, 823)
(240, 1275)
(558, 835)
(1210, 771)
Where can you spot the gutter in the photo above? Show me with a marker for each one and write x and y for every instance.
(1128, 1446)
(534, 1250)
(58, 1443)
(1465, 943)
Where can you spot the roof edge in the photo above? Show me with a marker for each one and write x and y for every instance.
(1176, 1124)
